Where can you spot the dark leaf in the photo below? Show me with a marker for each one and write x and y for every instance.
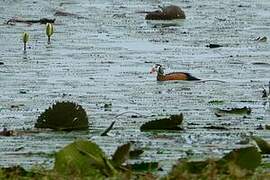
(263, 145)
(121, 154)
(171, 123)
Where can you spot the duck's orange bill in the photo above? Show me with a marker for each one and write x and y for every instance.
(153, 70)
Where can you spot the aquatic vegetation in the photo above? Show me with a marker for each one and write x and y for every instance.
(233, 111)
(49, 31)
(63, 116)
(105, 133)
(121, 155)
(214, 45)
(83, 158)
(238, 163)
(262, 144)
(171, 123)
(25, 40)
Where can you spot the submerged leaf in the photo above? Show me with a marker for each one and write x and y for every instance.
(145, 166)
(63, 116)
(171, 123)
(263, 145)
(83, 158)
(121, 154)
(135, 153)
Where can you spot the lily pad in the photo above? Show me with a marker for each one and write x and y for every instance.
(171, 123)
(233, 111)
(63, 116)
(263, 145)
(83, 158)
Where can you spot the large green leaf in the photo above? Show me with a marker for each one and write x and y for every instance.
(263, 145)
(83, 158)
(245, 158)
(171, 123)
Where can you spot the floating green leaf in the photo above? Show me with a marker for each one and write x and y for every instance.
(121, 155)
(235, 111)
(83, 158)
(216, 102)
(263, 145)
(63, 116)
(171, 123)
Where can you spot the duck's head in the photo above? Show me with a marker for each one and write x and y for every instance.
(157, 68)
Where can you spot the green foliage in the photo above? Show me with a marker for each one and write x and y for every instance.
(245, 158)
(263, 145)
(121, 155)
(83, 158)
(238, 163)
(171, 123)
(63, 116)
(216, 102)
(233, 111)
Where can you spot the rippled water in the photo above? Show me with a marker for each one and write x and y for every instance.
(105, 57)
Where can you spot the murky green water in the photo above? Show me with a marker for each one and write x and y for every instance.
(106, 57)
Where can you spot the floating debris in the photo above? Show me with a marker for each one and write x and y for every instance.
(41, 21)
(25, 40)
(166, 13)
(63, 116)
(105, 133)
(6, 132)
(261, 39)
(171, 123)
(235, 111)
(214, 45)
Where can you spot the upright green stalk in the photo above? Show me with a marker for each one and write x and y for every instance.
(49, 31)
(25, 40)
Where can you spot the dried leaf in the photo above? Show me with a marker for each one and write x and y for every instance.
(121, 154)
(263, 145)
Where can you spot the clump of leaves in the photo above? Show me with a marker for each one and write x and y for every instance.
(263, 145)
(171, 123)
(238, 163)
(235, 111)
(63, 116)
